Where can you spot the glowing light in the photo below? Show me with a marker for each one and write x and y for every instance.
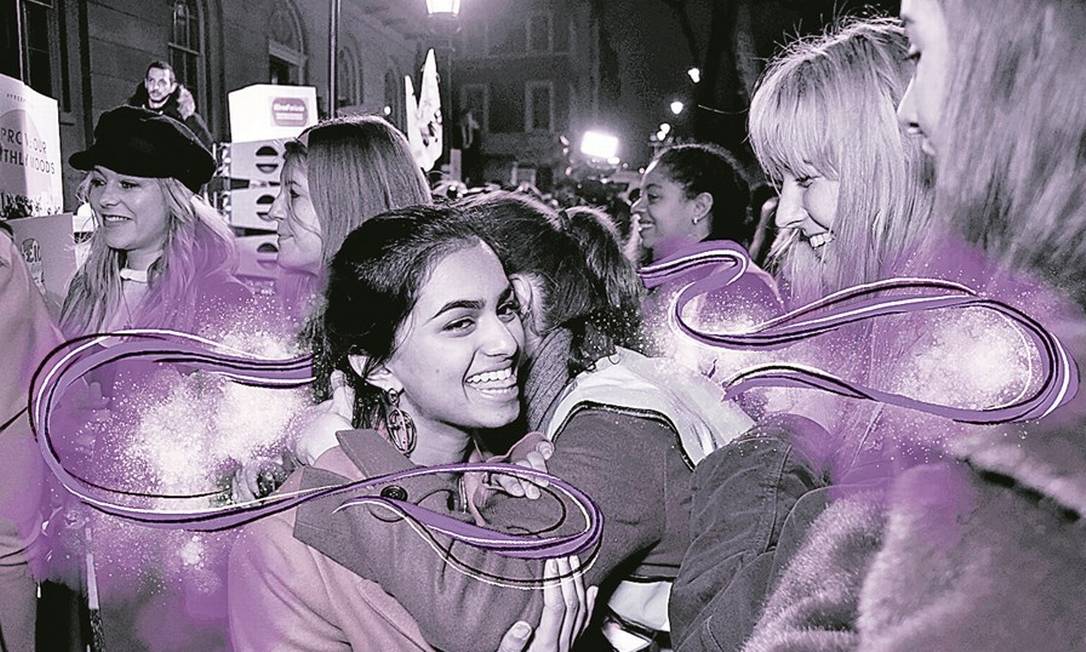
(387, 110)
(614, 160)
(677, 107)
(597, 144)
(694, 74)
(447, 7)
(665, 128)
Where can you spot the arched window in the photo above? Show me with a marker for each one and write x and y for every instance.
(187, 48)
(394, 98)
(348, 79)
(286, 45)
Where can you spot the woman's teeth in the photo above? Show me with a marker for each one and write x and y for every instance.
(820, 239)
(493, 381)
(114, 219)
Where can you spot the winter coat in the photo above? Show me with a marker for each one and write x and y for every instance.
(985, 551)
(180, 106)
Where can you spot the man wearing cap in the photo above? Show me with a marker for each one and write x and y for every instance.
(161, 93)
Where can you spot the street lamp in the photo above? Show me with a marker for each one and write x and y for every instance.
(677, 107)
(694, 74)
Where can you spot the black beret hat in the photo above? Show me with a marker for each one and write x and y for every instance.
(133, 140)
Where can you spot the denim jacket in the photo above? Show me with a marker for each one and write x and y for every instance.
(752, 503)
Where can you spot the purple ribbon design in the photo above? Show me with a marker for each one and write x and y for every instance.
(854, 305)
(69, 362)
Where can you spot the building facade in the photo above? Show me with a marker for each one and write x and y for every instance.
(91, 54)
(525, 70)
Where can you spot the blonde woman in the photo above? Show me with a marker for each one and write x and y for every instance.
(160, 255)
(855, 203)
(855, 193)
(982, 552)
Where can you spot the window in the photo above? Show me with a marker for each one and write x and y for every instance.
(286, 45)
(538, 106)
(475, 98)
(187, 47)
(348, 79)
(507, 39)
(45, 50)
(540, 36)
(394, 98)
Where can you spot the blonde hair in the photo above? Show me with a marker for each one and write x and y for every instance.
(829, 105)
(1012, 169)
(198, 245)
(359, 167)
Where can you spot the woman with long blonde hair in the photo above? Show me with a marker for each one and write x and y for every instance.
(855, 193)
(983, 551)
(160, 256)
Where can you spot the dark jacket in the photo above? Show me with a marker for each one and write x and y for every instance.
(986, 551)
(180, 106)
(632, 467)
(754, 500)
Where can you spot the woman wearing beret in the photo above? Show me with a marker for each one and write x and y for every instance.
(160, 255)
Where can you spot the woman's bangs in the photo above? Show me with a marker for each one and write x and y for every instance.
(788, 130)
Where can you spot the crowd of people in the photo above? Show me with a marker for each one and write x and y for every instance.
(770, 466)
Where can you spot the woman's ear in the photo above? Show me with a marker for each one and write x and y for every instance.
(523, 289)
(379, 376)
(703, 206)
(530, 297)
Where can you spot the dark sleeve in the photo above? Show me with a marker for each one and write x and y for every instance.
(198, 127)
(743, 493)
(616, 459)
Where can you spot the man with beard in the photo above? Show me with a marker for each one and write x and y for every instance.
(161, 93)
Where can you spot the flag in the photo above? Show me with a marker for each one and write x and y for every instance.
(429, 112)
(414, 135)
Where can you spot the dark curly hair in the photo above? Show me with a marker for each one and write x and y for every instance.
(373, 283)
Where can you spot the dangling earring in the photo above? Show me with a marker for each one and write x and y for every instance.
(401, 429)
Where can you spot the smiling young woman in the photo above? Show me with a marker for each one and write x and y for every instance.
(422, 320)
(855, 193)
(161, 255)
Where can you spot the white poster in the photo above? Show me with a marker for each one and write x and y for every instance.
(30, 163)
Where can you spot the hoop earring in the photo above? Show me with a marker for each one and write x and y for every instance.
(401, 428)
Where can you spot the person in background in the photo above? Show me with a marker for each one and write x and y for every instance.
(336, 175)
(691, 195)
(161, 256)
(28, 334)
(160, 92)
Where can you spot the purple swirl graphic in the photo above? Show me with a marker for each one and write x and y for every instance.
(69, 362)
(854, 305)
